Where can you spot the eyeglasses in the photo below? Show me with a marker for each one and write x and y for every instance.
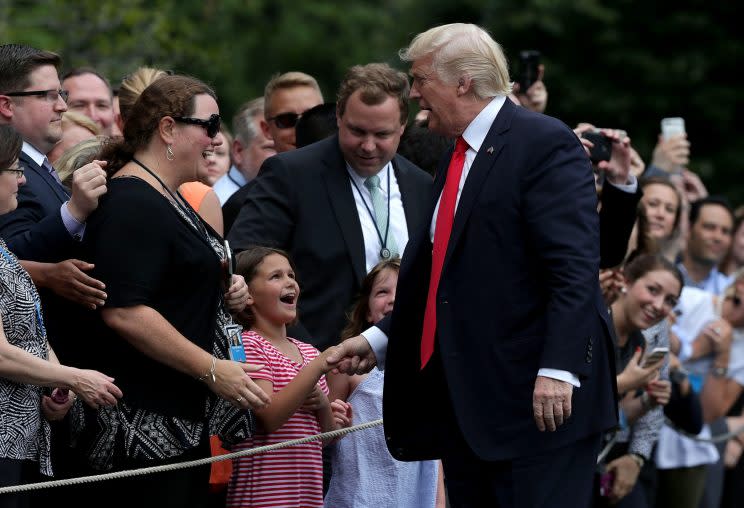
(285, 120)
(18, 172)
(212, 125)
(49, 95)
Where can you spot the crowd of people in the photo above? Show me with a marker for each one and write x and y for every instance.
(539, 323)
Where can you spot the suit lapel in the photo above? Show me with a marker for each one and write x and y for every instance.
(485, 160)
(408, 194)
(344, 207)
(46, 177)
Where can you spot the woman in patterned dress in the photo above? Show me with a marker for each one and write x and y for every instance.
(27, 363)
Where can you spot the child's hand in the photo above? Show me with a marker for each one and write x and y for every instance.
(315, 400)
(342, 414)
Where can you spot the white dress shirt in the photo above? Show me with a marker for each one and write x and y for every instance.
(398, 226)
(474, 135)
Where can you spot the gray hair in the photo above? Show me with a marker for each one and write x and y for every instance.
(461, 49)
(244, 128)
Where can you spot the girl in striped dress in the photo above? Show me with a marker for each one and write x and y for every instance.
(294, 373)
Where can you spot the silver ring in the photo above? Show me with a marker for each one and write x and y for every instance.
(717, 329)
(239, 399)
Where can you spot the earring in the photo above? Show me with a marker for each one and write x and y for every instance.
(623, 290)
(169, 153)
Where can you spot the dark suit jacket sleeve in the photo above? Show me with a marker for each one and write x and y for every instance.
(33, 234)
(616, 219)
(267, 216)
(562, 224)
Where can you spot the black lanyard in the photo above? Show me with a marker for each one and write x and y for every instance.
(179, 202)
(384, 251)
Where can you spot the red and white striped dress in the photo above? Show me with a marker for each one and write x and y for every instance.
(289, 477)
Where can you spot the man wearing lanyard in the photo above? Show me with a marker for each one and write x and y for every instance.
(341, 205)
(497, 354)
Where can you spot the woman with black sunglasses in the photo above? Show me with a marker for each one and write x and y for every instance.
(27, 362)
(166, 326)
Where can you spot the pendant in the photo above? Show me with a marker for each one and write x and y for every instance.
(385, 253)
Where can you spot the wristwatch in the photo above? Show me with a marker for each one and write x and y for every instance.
(718, 371)
(677, 376)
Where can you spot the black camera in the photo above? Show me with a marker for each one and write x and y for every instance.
(529, 61)
(602, 149)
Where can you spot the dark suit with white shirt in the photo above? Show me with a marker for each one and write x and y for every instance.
(303, 202)
(518, 293)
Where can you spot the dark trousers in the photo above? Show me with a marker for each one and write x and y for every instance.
(180, 488)
(556, 478)
(17, 472)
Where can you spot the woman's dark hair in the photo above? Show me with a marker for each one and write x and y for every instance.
(167, 96)
(10, 146)
(646, 244)
(357, 317)
(645, 263)
(247, 263)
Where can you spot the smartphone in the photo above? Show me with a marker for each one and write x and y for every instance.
(673, 126)
(228, 266)
(654, 356)
(602, 149)
(529, 61)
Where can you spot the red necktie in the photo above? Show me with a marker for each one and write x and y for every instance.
(442, 230)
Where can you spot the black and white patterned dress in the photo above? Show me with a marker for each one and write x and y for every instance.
(24, 432)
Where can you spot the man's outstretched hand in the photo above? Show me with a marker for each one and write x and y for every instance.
(353, 356)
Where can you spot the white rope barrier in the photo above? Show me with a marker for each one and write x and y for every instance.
(192, 463)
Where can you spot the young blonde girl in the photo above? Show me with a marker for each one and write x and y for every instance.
(364, 472)
(293, 372)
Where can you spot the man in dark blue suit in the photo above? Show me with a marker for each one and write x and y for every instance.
(497, 355)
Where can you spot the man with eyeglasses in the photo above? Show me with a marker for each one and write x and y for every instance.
(286, 98)
(47, 227)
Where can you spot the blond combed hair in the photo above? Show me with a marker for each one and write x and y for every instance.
(462, 49)
(133, 85)
(290, 79)
(74, 118)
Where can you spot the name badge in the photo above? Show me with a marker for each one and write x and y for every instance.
(237, 351)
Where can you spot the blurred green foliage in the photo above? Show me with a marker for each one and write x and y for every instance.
(624, 64)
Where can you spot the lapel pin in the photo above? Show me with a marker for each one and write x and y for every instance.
(490, 150)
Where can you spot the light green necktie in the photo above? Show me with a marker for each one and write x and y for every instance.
(380, 207)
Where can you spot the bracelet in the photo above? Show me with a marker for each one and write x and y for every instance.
(638, 459)
(718, 372)
(210, 372)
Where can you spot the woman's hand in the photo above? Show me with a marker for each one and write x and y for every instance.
(95, 389)
(237, 295)
(659, 391)
(626, 471)
(232, 383)
(635, 376)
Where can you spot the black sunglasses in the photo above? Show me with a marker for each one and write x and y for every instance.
(212, 125)
(285, 120)
(50, 95)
